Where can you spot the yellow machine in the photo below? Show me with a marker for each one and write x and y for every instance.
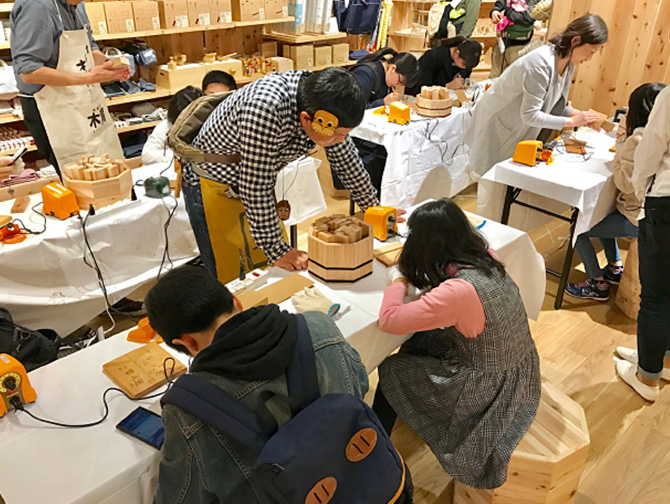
(59, 201)
(399, 113)
(384, 221)
(526, 152)
(14, 384)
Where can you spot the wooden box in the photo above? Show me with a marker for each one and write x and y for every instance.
(199, 12)
(248, 10)
(119, 17)
(340, 53)
(547, 465)
(173, 13)
(279, 65)
(101, 193)
(628, 293)
(276, 9)
(323, 56)
(97, 18)
(340, 262)
(303, 56)
(221, 11)
(269, 49)
(187, 75)
(145, 14)
(434, 101)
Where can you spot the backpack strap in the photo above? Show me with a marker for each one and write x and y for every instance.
(301, 377)
(217, 408)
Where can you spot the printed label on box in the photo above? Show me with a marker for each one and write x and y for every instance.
(203, 19)
(261, 14)
(102, 27)
(181, 21)
(284, 11)
(130, 26)
(156, 23)
(227, 17)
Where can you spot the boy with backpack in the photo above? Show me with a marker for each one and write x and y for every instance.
(255, 370)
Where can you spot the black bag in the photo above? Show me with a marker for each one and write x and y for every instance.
(32, 348)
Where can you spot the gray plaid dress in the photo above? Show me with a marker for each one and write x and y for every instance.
(470, 400)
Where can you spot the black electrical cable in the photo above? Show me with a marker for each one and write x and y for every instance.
(18, 406)
(166, 251)
(24, 229)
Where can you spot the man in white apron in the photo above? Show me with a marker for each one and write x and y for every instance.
(58, 71)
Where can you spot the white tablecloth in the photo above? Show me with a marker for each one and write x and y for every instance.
(569, 182)
(99, 465)
(426, 158)
(45, 283)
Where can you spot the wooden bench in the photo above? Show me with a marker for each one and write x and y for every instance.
(547, 464)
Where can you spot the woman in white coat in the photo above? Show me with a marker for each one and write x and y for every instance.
(532, 95)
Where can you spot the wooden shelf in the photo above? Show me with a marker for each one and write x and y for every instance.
(10, 118)
(6, 6)
(117, 36)
(31, 148)
(345, 64)
(407, 34)
(4, 46)
(304, 38)
(137, 127)
(138, 97)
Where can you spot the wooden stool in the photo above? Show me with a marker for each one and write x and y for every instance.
(628, 293)
(546, 466)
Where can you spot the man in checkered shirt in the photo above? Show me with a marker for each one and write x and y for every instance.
(269, 123)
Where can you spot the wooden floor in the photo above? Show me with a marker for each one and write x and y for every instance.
(629, 458)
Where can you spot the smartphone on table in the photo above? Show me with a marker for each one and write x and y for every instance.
(144, 425)
(19, 154)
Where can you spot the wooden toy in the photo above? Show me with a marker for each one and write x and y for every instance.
(20, 204)
(142, 370)
(180, 59)
(388, 255)
(172, 64)
(119, 62)
(279, 65)
(340, 249)
(434, 101)
(209, 58)
(399, 113)
(274, 293)
(546, 466)
(574, 146)
(105, 181)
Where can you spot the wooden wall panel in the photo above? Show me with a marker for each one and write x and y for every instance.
(638, 50)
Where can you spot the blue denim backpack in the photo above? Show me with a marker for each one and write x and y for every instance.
(333, 450)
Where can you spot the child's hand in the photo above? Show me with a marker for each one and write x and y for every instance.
(396, 276)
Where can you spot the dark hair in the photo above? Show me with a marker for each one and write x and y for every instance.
(440, 234)
(591, 29)
(406, 63)
(640, 103)
(186, 300)
(219, 77)
(336, 91)
(468, 49)
(182, 100)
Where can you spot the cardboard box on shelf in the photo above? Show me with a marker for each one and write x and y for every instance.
(248, 10)
(276, 9)
(303, 56)
(173, 13)
(119, 17)
(145, 14)
(269, 49)
(199, 13)
(340, 53)
(323, 56)
(221, 11)
(97, 18)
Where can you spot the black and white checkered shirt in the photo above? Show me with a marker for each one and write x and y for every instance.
(261, 123)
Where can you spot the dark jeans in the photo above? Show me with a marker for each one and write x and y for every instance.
(196, 216)
(653, 321)
(33, 120)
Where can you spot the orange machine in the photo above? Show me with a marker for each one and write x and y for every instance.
(144, 333)
(399, 113)
(11, 233)
(384, 221)
(529, 152)
(14, 384)
(59, 201)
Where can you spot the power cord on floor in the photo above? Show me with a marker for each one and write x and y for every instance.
(18, 405)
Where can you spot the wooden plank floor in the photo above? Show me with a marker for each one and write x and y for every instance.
(629, 458)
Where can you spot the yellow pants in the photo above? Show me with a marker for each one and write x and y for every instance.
(229, 232)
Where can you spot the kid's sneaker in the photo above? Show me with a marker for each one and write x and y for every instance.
(613, 274)
(589, 289)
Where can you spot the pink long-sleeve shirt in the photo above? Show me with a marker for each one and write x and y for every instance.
(453, 303)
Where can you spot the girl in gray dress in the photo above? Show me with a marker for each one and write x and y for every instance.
(468, 382)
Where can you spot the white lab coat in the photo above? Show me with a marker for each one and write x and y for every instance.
(529, 96)
(154, 150)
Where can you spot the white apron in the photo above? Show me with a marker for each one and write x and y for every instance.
(76, 118)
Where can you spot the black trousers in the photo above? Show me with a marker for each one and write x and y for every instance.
(33, 120)
(653, 322)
